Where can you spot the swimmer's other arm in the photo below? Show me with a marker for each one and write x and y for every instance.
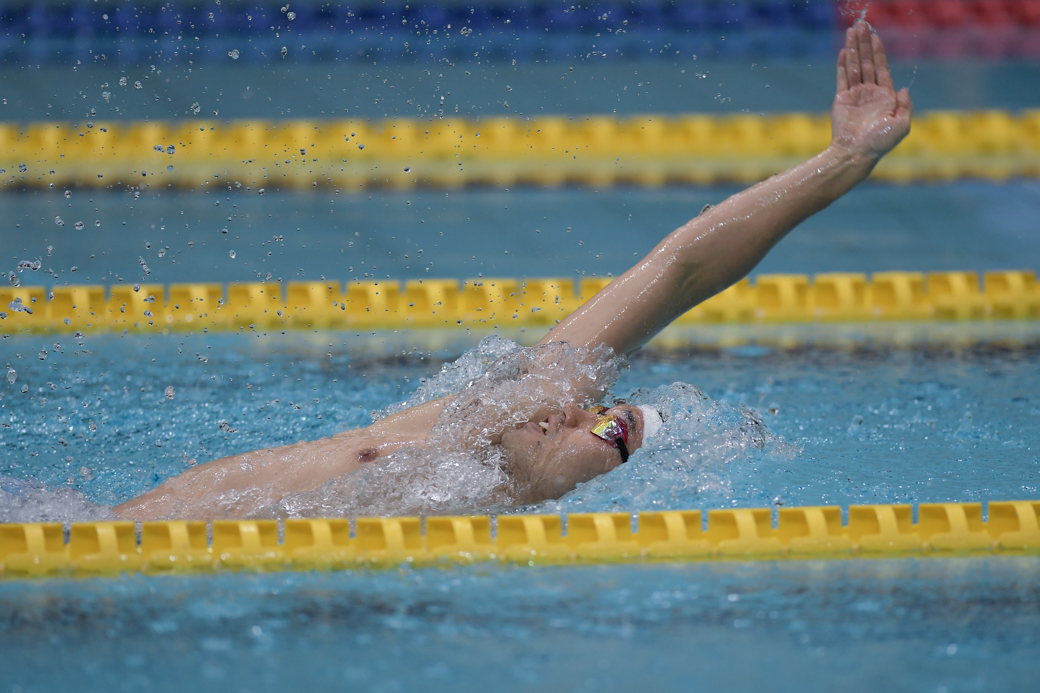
(724, 243)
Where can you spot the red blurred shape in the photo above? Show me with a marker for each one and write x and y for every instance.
(1025, 11)
(907, 13)
(993, 13)
(948, 13)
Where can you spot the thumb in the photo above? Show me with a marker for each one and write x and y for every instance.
(904, 107)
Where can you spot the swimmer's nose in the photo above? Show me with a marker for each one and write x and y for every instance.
(573, 415)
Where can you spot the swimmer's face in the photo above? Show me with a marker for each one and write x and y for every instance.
(548, 458)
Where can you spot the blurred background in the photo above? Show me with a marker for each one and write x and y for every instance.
(230, 61)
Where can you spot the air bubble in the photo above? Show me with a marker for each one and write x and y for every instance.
(58, 221)
(231, 254)
(169, 392)
(290, 16)
(407, 169)
(68, 194)
(171, 149)
(138, 85)
(79, 225)
(195, 108)
(12, 375)
(122, 81)
(233, 54)
(285, 51)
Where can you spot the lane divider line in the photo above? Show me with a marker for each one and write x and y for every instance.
(545, 151)
(447, 303)
(33, 550)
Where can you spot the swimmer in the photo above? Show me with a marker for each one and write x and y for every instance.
(558, 443)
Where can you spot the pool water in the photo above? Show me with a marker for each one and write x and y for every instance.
(855, 414)
(861, 625)
(867, 424)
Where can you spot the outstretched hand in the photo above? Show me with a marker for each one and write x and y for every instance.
(869, 116)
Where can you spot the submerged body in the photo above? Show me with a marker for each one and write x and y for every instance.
(531, 422)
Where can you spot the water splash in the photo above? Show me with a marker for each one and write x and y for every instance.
(497, 385)
(705, 451)
(27, 500)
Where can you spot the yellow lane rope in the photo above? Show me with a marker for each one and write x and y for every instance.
(111, 548)
(506, 303)
(647, 150)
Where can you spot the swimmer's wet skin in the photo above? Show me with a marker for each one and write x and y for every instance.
(558, 442)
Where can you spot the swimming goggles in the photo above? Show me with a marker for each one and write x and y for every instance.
(614, 430)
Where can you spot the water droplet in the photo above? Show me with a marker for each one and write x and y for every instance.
(361, 146)
(87, 473)
(25, 388)
(170, 392)
(138, 85)
(290, 16)
(97, 222)
(407, 169)
(231, 254)
(68, 194)
(261, 191)
(78, 225)
(11, 375)
(285, 51)
(43, 354)
(195, 108)
(58, 221)
(234, 54)
(171, 149)
(137, 287)
(122, 80)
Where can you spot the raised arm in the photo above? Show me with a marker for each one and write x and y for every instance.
(724, 243)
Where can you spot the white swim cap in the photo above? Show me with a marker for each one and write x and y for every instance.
(652, 421)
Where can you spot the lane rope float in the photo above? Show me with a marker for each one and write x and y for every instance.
(545, 151)
(111, 548)
(529, 303)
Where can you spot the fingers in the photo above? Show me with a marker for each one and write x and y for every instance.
(843, 77)
(866, 53)
(884, 77)
(852, 64)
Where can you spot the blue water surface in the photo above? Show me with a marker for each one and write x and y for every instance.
(861, 625)
(873, 423)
